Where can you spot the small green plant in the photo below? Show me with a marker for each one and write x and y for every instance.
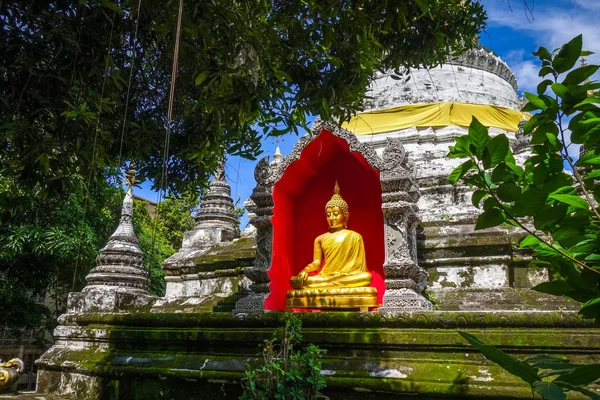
(288, 373)
(550, 377)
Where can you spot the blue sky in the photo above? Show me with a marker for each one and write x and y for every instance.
(512, 33)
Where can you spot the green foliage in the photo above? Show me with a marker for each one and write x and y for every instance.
(288, 373)
(557, 210)
(536, 370)
(66, 68)
(47, 247)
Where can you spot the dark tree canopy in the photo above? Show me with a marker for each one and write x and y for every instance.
(243, 65)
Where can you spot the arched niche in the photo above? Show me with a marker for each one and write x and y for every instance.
(299, 198)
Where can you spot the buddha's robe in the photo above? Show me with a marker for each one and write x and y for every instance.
(345, 263)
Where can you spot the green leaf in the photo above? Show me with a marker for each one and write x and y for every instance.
(202, 77)
(542, 361)
(568, 55)
(529, 240)
(592, 174)
(579, 75)
(477, 196)
(508, 192)
(478, 134)
(557, 287)
(535, 101)
(530, 203)
(506, 361)
(583, 375)
(462, 147)
(549, 390)
(559, 89)
(542, 86)
(543, 54)
(495, 151)
(546, 251)
(547, 70)
(591, 309)
(460, 171)
(588, 393)
(489, 218)
(571, 200)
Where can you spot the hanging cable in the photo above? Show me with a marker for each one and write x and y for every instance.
(87, 186)
(132, 62)
(165, 166)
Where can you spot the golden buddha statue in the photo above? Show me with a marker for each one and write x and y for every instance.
(343, 281)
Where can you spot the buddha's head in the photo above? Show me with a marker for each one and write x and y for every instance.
(336, 210)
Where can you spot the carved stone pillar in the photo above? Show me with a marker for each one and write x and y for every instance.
(262, 195)
(405, 281)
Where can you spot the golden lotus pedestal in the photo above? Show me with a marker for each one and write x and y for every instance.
(355, 299)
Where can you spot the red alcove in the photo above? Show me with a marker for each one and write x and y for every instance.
(299, 211)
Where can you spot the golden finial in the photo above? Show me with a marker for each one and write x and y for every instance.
(337, 200)
(590, 92)
(130, 177)
(522, 100)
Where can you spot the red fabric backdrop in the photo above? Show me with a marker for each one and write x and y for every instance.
(299, 211)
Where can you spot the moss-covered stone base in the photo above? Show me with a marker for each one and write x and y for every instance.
(197, 356)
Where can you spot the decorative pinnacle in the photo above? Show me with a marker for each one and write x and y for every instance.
(336, 188)
(583, 60)
(130, 177)
(219, 174)
(276, 157)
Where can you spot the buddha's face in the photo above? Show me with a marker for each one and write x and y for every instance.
(336, 218)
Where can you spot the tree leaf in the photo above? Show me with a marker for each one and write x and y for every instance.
(460, 171)
(489, 218)
(571, 200)
(477, 196)
(495, 151)
(478, 134)
(535, 101)
(579, 75)
(528, 241)
(506, 361)
(543, 54)
(582, 375)
(530, 203)
(568, 55)
(557, 287)
(201, 77)
(508, 192)
(549, 390)
(591, 309)
(559, 89)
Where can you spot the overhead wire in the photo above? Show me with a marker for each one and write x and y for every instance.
(132, 62)
(165, 166)
(94, 144)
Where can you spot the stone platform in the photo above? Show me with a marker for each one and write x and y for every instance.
(369, 355)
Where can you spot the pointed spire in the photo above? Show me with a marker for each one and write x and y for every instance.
(120, 264)
(217, 208)
(276, 157)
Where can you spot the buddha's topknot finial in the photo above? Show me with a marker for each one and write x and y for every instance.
(337, 200)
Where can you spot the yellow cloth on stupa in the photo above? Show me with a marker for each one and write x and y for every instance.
(434, 115)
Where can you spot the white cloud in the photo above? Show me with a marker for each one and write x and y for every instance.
(526, 71)
(550, 26)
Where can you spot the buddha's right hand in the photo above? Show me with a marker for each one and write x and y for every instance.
(303, 275)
